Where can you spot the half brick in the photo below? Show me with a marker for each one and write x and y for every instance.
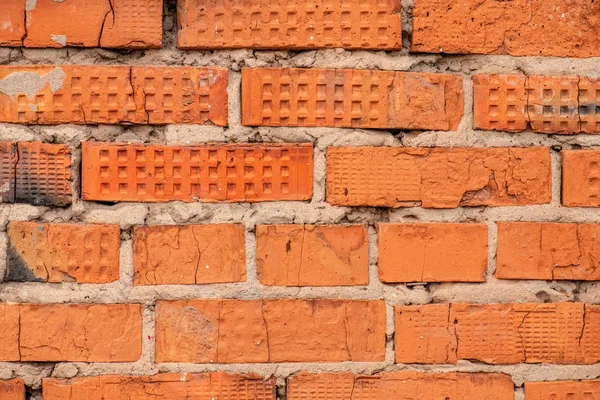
(351, 98)
(562, 390)
(581, 178)
(9, 334)
(207, 173)
(13, 389)
(12, 23)
(438, 177)
(297, 25)
(191, 254)
(310, 255)
(8, 170)
(260, 331)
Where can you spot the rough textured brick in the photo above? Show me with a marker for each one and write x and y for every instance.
(313, 24)
(8, 169)
(9, 333)
(401, 384)
(310, 255)
(13, 389)
(82, 23)
(62, 253)
(559, 333)
(437, 177)
(562, 390)
(87, 94)
(87, 333)
(432, 252)
(182, 386)
(581, 178)
(238, 331)
(207, 173)
(351, 98)
(519, 28)
(190, 254)
(550, 251)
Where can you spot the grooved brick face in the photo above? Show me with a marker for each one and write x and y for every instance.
(208, 173)
(309, 255)
(312, 24)
(8, 169)
(432, 252)
(351, 98)
(190, 254)
(260, 331)
(581, 178)
(437, 177)
(180, 386)
(562, 390)
(13, 389)
(518, 28)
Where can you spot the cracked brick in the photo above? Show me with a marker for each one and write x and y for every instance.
(581, 178)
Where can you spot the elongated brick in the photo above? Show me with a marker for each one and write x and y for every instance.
(87, 94)
(581, 178)
(9, 334)
(298, 25)
(62, 252)
(562, 390)
(310, 255)
(8, 169)
(13, 389)
(351, 98)
(182, 386)
(207, 173)
(432, 252)
(12, 23)
(400, 384)
(437, 177)
(190, 254)
(239, 331)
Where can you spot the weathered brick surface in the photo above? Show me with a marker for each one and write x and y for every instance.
(310, 255)
(437, 177)
(191, 254)
(351, 98)
(313, 24)
(581, 178)
(559, 333)
(62, 253)
(8, 170)
(401, 384)
(551, 251)
(208, 173)
(9, 334)
(87, 94)
(182, 386)
(13, 389)
(531, 28)
(259, 331)
(12, 23)
(432, 252)
(562, 390)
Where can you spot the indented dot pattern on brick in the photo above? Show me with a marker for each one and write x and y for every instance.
(581, 178)
(562, 390)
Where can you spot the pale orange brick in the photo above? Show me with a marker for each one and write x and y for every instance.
(562, 390)
(190, 254)
(311, 255)
(9, 333)
(13, 389)
(581, 178)
(432, 252)
(12, 23)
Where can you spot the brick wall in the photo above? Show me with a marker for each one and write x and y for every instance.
(328, 200)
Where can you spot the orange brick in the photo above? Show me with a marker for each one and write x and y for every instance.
(581, 178)
(400, 384)
(549, 251)
(297, 25)
(8, 169)
(562, 390)
(62, 253)
(432, 252)
(13, 389)
(86, 333)
(523, 28)
(191, 254)
(351, 98)
(258, 331)
(559, 333)
(12, 23)
(9, 333)
(310, 255)
(217, 385)
(500, 103)
(87, 94)
(438, 177)
(207, 173)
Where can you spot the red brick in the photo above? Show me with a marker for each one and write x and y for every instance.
(531, 28)
(191, 254)
(207, 173)
(400, 384)
(297, 25)
(9, 333)
(8, 169)
(310, 255)
(438, 177)
(260, 331)
(562, 390)
(12, 23)
(550, 251)
(559, 333)
(63, 252)
(181, 386)
(432, 252)
(581, 178)
(351, 98)
(87, 94)
(13, 389)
